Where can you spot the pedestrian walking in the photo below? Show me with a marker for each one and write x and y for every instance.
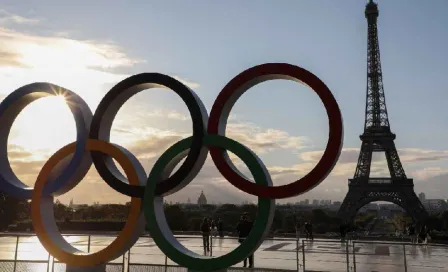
(343, 231)
(205, 229)
(220, 228)
(243, 228)
(411, 233)
(309, 231)
(213, 228)
(422, 235)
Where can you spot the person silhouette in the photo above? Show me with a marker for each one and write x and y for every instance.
(205, 229)
(309, 230)
(220, 228)
(243, 228)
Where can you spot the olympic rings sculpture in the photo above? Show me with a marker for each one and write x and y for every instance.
(68, 166)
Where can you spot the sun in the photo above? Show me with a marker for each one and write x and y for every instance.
(44, 126)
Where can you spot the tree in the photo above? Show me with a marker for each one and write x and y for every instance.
(229, 215)
(320, 216)
(289, 223)
(175, 217)
(9, 210)
(250, 209)
(445, 220)
(277, 222)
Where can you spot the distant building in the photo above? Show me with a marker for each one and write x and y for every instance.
(337, 203)
(391, 207)
(369, 207)
(435, 205)
(334, 206)
(422, 197)
(307, 202)
(315, 202)
(202, 200)
(74, 206)
(384, 213)
(322, 202)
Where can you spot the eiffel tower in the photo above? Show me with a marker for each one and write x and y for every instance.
(377, 137)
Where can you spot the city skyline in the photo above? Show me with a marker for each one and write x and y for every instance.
(287, 130)
(300, 201)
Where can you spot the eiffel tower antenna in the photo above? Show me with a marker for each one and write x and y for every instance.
(377, 137)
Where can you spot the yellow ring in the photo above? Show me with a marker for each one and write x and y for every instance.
(45, 224)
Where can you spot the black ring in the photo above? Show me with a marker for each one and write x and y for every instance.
(106, 112)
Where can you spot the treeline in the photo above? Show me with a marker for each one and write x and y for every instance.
(179, 217)
(188, 218)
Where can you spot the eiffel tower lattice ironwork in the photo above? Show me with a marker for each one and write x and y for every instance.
(377, 137)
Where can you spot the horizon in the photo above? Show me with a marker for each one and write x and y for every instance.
(195, 44)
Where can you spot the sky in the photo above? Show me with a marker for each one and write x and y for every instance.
(88, 47)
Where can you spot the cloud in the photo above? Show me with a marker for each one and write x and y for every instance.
(262, 140)
(350, 155)
(153, 145)
(189, 83)
(58, 52)
(421, 155)
(18, 153)
(410, 158)
(10, 59)
(83, 66)
(428, 173)
(169, 114)
(433, 185)
(148, 143)
(26, 168)
(296, 170)
(10, 18)
(86, 67)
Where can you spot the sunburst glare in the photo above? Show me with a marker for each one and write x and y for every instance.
(44, 126)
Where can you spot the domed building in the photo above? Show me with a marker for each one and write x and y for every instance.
(202, 200)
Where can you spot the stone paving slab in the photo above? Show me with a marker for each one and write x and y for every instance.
(320, 255)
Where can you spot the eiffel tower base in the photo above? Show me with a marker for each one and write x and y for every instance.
(401, 195)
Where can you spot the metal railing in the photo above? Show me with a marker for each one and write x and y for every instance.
(276, 254)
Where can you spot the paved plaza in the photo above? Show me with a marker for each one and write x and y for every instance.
(320, 255)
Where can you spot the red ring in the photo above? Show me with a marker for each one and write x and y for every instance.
(240, 84)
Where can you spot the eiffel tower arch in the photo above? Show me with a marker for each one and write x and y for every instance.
(377, 137)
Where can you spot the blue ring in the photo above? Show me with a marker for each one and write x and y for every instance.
(67, 174)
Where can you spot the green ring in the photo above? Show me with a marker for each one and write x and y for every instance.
(160, 231)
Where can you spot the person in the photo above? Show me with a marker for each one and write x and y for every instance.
(411, 233)
(220, 228)
(215, 228)
(428, 235)
(343, 231)
(243, 228)
(298, 226)
(205, 229)
(305, 227)
(212, 227)
(309, 230)
(422, 235)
